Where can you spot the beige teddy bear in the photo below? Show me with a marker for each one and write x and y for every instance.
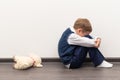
(25, 62)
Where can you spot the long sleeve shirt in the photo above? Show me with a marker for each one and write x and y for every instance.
(75, 39)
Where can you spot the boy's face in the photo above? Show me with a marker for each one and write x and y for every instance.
(82, 33)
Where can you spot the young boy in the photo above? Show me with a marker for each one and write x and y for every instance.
(76, 42)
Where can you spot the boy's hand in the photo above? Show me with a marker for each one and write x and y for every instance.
(97, 42)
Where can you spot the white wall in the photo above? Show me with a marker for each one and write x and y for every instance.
(36, 25)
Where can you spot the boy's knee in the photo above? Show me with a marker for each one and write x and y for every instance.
(88, 36)
(82, 48)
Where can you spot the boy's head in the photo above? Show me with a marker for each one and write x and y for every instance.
(82, 27)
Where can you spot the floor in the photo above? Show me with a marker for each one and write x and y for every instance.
(56, 71)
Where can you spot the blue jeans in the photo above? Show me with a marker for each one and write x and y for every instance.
(80, 54)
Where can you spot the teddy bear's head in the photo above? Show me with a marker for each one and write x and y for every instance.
(37, 60)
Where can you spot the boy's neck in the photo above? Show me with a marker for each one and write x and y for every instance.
(73, 30)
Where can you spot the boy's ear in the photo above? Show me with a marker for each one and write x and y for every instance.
(79, 30)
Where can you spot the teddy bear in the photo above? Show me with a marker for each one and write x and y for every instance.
(25, 62)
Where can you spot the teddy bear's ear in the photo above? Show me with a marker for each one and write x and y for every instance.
(14, 58)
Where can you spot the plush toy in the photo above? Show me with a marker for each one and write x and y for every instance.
(25, 62)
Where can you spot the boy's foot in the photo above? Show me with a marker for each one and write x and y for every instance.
(105, 64)
(67, 66)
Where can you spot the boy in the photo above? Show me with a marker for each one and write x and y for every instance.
(74, 44)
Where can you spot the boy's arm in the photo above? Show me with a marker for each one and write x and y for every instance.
(75, 39)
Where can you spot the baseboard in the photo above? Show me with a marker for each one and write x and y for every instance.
(110, 59)
(58, 60)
